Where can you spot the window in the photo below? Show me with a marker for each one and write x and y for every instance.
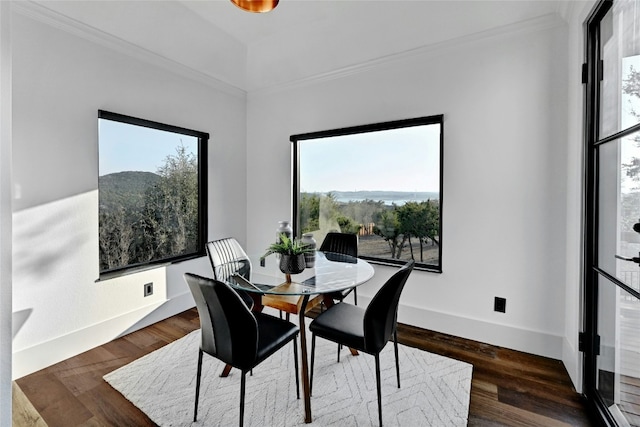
(382, 182)
(152, 192)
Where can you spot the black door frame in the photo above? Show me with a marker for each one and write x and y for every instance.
(592, 76)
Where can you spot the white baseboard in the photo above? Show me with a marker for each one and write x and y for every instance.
(572, 360)
(32, 359)
(534, 342)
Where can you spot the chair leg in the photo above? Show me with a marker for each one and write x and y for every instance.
(395, 346)
(313, 358)
(195, 409)
(379, 389)
(295, 363)
(355, 296)
(243, 380)
(339, 348)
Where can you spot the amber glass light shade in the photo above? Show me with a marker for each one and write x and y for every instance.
(257, 6)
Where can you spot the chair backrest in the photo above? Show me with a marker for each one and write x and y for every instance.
(228, 258)
(341, 243)
(229, 330)
(380, 315)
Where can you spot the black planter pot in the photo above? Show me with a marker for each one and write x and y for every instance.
(292, 264)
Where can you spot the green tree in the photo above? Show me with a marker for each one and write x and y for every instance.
(399, 224)
(388, 227)
(348, 225)
(362, 211)
(116, 238)
(180, 189)
(432, 225)
(631, 87)
(166, 223)
(309, 206)
(412, 217)
(170, 216)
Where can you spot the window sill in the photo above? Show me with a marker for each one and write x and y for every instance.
(418, 266)
(120, 273)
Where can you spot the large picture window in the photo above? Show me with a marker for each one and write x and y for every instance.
(382, 182)
(152, 192)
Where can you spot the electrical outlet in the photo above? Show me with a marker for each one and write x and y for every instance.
(148, 289)
(500, 305)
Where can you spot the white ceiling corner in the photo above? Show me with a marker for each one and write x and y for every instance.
(296, 41)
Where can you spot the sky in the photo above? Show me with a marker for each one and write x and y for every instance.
(405, 159)
(629, 149)
(125, 147)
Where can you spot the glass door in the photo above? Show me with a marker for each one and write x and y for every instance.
(612, 253)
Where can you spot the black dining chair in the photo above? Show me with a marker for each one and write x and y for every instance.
(228, 258)
(365, 329)
(346, 244)
(235, 335)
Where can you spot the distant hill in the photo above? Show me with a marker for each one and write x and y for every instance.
(124, 189)
(398, 197)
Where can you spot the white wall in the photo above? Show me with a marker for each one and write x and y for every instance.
(62, 76)
(503, 95)
(5, 215)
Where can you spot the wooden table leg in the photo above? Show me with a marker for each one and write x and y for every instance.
(225, 371)
(305, 365)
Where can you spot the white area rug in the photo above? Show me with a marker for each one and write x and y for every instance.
(434, 389)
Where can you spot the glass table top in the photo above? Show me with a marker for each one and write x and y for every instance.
(332, 272)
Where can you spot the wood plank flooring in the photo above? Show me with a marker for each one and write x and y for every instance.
(509, 388)
(630, 399)
(23, 412)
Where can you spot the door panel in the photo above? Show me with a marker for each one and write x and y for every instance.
(612, 240)
(618, 364)
(620, 48)
(618, 208)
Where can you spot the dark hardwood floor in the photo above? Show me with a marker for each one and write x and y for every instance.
(509, 388)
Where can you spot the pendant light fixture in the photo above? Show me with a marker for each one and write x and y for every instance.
(256, 6)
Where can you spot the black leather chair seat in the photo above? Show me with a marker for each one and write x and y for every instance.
(273, 334)
(343, 323)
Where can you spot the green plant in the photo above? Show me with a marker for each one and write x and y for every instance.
(287, 246)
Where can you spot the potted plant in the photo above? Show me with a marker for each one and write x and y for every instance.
(291, 254)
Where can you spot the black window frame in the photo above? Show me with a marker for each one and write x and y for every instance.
(374, 127)
(203, 142)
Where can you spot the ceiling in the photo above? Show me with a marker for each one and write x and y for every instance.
(298, 40)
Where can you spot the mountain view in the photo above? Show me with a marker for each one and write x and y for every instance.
(398, 197)
(124, 189)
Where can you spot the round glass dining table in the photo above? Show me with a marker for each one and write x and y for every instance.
(268, 286)
(332, 272)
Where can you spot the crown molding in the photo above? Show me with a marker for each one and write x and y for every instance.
(533, 25)
(54, 19)
(575, 11)
(47, 16)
